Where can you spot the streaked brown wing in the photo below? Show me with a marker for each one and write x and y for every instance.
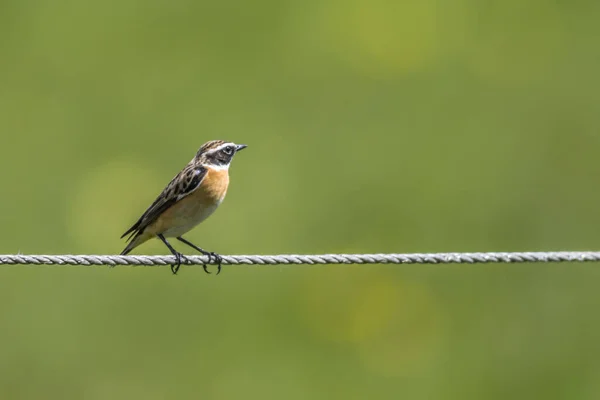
(184, 183)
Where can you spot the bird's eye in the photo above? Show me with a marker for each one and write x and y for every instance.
(228, 150)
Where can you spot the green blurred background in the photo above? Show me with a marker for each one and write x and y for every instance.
(373, 126)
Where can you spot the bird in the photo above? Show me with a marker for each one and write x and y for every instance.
(187, 200)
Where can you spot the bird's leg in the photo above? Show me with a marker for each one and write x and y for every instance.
(178, 256)
(209, 254)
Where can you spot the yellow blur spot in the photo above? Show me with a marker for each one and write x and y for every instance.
(374, 310)
(329, 301)
(396, 327)
(408, 340)
(381, 37)
(108, 199)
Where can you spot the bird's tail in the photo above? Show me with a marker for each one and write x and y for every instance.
(138, 239)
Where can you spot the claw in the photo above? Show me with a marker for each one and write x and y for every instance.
(218, 260)
(178, 258)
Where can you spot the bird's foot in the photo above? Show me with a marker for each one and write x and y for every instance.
(179, 258)
(217, 259)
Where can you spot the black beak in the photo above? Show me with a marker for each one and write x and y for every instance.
(240, 147)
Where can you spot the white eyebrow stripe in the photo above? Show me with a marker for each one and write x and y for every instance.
(221, 147)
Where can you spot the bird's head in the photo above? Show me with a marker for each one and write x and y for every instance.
(218, 153)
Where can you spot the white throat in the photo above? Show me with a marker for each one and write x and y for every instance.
(219, 167)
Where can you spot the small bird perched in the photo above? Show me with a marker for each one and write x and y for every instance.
(191, 197)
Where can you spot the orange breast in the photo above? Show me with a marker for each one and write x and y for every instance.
(195, 207)
(214, 185)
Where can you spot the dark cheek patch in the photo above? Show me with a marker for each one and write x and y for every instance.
(219, 158)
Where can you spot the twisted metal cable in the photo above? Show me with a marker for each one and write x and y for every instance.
(297, 259)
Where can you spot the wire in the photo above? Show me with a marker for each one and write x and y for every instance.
(297, 259)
